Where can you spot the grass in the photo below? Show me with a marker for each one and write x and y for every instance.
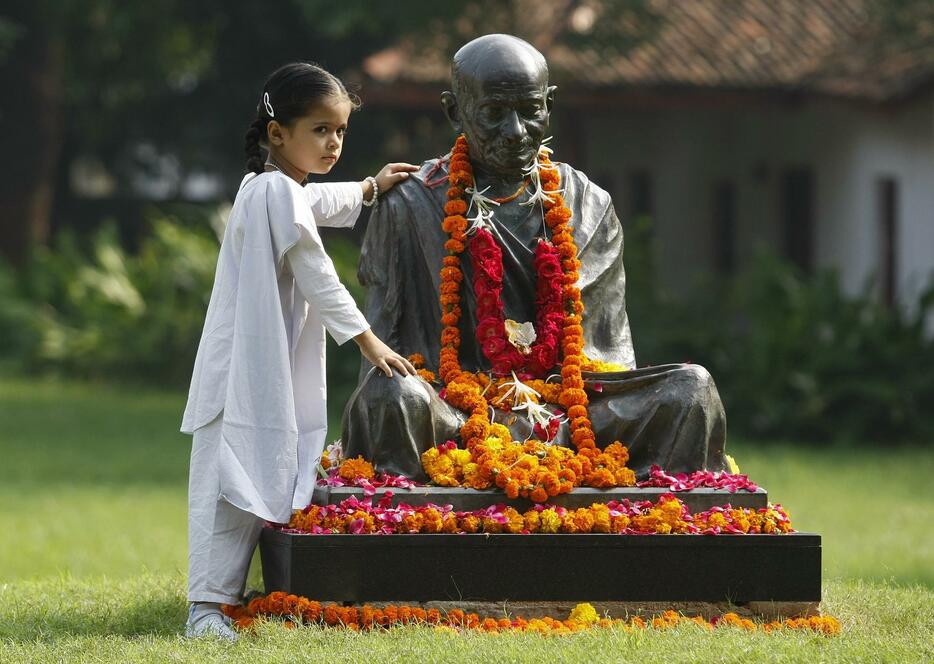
(92, 560)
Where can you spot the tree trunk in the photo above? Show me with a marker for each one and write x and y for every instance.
(30, 134)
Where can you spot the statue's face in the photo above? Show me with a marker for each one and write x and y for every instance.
(505, 118)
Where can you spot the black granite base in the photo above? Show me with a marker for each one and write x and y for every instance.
(592, 567)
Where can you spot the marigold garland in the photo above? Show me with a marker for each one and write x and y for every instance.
(494, 457)
(296, 610)
(668, 515)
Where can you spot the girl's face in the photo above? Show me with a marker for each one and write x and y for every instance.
(313, 143)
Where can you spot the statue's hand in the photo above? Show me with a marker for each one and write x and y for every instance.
(392, 174)
(382, 356)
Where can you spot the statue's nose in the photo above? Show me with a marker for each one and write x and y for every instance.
(512, 127)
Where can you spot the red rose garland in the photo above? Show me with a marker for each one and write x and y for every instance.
(487, 260)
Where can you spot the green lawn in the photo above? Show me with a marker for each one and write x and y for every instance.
(92, 560)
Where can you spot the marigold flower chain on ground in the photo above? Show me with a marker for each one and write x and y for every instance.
(668, 516)
(296, 610)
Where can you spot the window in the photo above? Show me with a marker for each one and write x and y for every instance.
(887, 210)
(724, 227)
(640, 195)
(797, 217)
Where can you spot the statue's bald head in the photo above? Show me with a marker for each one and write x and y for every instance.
(501, 100)
(496, 58)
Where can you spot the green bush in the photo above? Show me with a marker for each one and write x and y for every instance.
(793, 357)
(98, 312)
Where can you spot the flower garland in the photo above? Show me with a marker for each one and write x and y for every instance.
(450, 465)
(297, 611)
(559, 311)
(667, 516)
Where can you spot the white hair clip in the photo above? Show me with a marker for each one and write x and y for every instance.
(268, 105)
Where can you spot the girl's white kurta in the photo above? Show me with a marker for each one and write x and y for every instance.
(261, 360)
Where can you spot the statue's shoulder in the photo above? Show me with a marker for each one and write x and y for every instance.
(425, 189)
(578, 187)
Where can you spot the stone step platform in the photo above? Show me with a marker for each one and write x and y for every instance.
(545, 568)
(465, 500)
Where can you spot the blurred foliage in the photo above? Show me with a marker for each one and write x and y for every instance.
(93, 310)
(793, 357)
(98, 312)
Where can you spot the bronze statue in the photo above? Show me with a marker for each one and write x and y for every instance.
(670, 415)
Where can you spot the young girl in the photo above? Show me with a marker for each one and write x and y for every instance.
(256, 407)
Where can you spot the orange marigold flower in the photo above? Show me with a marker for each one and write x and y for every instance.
(572, 349)
(583, 438)
(577, 411)
(455, 207)
(450, 336)
(574, 397)
(357, 468)
(460, 178)
(454, 246)
(454, 223)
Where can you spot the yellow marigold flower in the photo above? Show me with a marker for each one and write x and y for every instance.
(460, 457)
(584, 613)
(551, 522)
(716, 519)
(494, 443)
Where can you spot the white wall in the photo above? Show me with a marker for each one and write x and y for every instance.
(849, 147)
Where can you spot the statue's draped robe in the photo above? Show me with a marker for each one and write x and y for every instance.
(669, 415)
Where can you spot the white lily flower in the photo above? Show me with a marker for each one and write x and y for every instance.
(533, 172)
(518, 391)
(484, 208)
(541, 196)
(537, 413)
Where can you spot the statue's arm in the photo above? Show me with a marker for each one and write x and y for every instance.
(380, 273)
(606, 322)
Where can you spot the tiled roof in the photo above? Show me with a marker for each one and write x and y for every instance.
(833, 47)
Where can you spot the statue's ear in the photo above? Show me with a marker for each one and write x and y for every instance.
(550, 97)
(451, 110)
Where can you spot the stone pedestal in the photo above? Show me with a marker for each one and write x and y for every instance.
(545, 568)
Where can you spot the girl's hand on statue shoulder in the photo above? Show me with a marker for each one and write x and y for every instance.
(382, 356)
(392, 174)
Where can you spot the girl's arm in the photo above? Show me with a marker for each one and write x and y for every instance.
(318, 282)
(337, 204)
